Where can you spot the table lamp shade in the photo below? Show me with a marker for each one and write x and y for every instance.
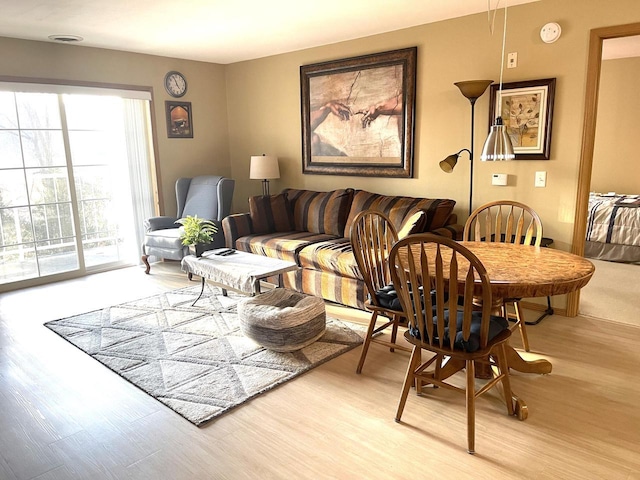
(264, 167)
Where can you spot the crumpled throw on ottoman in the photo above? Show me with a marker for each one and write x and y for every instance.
(282, 320)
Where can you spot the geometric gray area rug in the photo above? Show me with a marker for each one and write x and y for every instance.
(195, 360)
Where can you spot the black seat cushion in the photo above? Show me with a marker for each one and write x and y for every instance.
(387, 297)
(497, 325)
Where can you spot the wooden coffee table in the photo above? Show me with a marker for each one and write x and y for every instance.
(240, 271)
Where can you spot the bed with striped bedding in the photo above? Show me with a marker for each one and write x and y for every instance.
(613, 228)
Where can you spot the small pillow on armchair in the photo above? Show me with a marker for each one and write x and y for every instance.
(270, 213)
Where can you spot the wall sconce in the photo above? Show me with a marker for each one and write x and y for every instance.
(264, 167)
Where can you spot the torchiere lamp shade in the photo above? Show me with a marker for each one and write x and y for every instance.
(473, 89)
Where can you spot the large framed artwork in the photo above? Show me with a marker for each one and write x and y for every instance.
(358, 115)
(527, 113)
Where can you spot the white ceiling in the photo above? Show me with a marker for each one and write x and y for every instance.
(223, 31)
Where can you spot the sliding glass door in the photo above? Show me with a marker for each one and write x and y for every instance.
(75, 182)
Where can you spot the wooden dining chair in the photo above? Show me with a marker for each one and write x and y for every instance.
(506, 221)
(372, 236)
(458, 335)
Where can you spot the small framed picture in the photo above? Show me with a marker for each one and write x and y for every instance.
(527, 113)
(179, 123)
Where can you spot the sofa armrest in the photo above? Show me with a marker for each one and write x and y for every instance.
(160, 223)
(236, 226)
(453, 231)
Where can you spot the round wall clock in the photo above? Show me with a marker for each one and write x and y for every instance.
(175, 84)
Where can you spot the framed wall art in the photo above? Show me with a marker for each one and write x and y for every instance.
(179, 123)
(358, 115)
(527, 113)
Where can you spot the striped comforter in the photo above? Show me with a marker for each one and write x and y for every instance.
(614, 219)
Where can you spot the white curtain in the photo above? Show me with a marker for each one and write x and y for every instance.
(139, 150)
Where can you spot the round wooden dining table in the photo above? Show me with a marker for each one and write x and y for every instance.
(523, 271)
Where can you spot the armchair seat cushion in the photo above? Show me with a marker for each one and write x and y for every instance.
(165, 238)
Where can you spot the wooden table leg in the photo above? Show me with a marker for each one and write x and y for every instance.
(519, 364)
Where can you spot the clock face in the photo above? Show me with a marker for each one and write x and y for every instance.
(175, 83)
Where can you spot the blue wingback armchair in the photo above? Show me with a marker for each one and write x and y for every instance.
(207, 196)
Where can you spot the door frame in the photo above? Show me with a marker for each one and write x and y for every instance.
(594, 63)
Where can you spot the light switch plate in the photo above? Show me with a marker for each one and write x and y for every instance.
(541, 179)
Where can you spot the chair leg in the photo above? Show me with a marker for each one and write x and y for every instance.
(521, 325)
(367, 341)
(414, 363)
(471, 407)
(145, 260)
(394, 331)
(503, 368)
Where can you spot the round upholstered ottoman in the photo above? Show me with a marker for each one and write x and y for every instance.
(282, 320)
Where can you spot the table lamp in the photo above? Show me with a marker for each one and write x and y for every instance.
(264, 167)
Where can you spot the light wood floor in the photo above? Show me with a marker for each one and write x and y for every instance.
(65, 416)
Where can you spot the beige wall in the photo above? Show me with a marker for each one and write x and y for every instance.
(206, 153)
(616, 158)
(253, 107)
(264, 114)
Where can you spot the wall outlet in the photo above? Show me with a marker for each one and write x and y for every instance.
(512, 60)
(541, 179)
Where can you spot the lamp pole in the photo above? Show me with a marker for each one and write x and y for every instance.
(473, 90)
(473, 107)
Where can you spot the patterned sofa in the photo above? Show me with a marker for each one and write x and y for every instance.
(313, 228)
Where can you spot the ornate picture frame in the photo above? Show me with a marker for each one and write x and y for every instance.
(358, 115)
(179, 122)
(527, 113)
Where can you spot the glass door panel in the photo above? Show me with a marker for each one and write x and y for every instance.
(67, 166)
(103, 187)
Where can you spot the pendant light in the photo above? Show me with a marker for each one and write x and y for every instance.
(498, 145)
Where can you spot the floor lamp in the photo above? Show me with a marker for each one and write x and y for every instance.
(473, 90)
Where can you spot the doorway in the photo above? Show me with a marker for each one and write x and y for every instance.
(598, 36)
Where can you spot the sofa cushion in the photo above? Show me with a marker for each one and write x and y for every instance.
(270, 213)
(320, 212)
(334, 256)
(280, 245)
(397, 208)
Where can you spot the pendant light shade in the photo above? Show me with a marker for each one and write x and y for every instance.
(498, 145)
